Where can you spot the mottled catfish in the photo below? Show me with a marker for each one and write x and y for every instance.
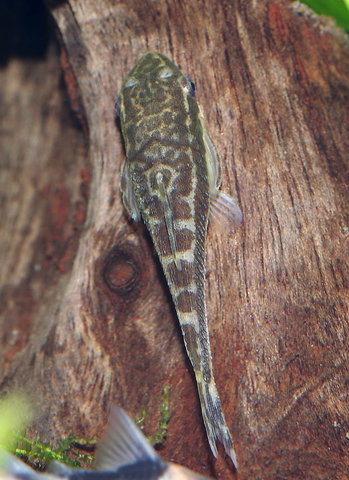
(170, 179)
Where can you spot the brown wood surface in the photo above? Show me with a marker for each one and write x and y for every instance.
(86, 318)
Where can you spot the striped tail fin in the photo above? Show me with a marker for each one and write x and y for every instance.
(215, 424)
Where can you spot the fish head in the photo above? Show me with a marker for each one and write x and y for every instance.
(150, 96)
(153, 73)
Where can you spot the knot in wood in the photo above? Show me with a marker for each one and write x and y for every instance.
(121, 272)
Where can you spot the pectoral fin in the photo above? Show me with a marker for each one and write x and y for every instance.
(128, 196)
(225, 210)
(213, 164)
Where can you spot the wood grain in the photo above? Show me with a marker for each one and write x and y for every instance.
(96, 325)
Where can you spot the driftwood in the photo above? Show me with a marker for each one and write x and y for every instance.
(86, 316)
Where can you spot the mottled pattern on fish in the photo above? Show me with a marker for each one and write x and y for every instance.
(170, 177)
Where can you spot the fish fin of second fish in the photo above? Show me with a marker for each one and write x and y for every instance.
(13, 467)
(123, 444)
(11, 464)
(177, 472)
(60, 469)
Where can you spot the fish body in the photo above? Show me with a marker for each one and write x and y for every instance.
(170, 180)
(123, 454)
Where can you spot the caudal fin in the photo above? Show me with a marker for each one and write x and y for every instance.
(215, 424)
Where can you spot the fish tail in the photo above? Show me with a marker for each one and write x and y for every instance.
(214, 420)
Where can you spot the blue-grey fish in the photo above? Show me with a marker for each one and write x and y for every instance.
(171, 181)
(123, 454)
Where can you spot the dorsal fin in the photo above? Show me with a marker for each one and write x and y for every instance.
(123, 443)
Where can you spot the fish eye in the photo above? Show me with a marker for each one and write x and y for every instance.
(165, 73)
(131, 82)
(189, 86)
